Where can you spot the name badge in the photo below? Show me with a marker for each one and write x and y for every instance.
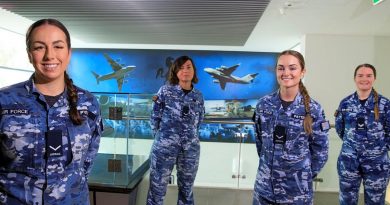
(299, 117)
(280, 134)
(14, 112)
(266, 112)
(54, 143)
(346, 110)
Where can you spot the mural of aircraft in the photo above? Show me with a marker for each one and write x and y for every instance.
(223, 75)
(218, 108)
(120, 72)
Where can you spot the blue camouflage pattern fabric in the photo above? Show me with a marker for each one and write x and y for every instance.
(363, 155)
(175, 122)
(27, 174)
(286, 170)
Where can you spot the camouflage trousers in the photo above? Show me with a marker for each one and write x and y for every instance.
(373, 170)
(163, 158)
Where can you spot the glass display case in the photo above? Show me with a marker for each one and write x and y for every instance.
(123, 156)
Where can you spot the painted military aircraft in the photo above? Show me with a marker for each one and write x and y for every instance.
(223, 75)
(218, 108)
(120, 72)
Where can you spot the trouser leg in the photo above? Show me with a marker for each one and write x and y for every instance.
(349, 178)
(162, 161)
(187, 167)
(375, 179)
(259, 200)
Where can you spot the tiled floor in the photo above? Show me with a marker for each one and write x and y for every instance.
(213, 196)
(219, 196)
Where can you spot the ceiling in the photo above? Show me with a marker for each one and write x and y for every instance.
(262, 25)
(201, 22)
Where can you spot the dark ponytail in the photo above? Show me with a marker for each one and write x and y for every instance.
(376, 106)
(72, 98)
(308, 121)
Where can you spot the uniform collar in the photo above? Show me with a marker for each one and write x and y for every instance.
(278, 102)
(370, 99)
(178, 87)
(31, 88)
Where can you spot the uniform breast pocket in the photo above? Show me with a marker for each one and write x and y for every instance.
(80, 138)
(380, 125)
(196, 108)
(297, 147)
(297, 141)
(18, 141)
(350, 118)
(267, 122)
(296, 124)
(171, 107)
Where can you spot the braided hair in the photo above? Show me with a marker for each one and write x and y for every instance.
(376, 98)
(72, 98)
(308, 120)
(72, 91)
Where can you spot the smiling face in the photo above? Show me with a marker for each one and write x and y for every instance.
(49, 53)
(289, 71)
(364, 79)
(186, 72)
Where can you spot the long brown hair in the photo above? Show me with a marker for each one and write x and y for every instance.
(308, 120)
(174, 69)
(376, 98)
(72, 91)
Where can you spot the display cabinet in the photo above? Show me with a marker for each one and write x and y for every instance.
(123, 156)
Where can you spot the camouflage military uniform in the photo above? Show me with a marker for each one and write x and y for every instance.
(288, 164)
(364, 151)
(32, 173)
(175, 120)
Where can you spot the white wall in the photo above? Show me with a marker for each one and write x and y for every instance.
(381, 59)
(331, 61)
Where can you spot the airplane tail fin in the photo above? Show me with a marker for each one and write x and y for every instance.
(96, 76)
(250, 77)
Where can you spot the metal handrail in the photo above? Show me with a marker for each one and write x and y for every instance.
(222, 121)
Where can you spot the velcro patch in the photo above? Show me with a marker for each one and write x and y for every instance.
(325, 125)
(360, 124)
(280, 134)
(54, 143)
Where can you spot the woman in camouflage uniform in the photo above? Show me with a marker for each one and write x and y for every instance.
(291, 138)
(363, 123)
(49, 128)
(178, 111)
